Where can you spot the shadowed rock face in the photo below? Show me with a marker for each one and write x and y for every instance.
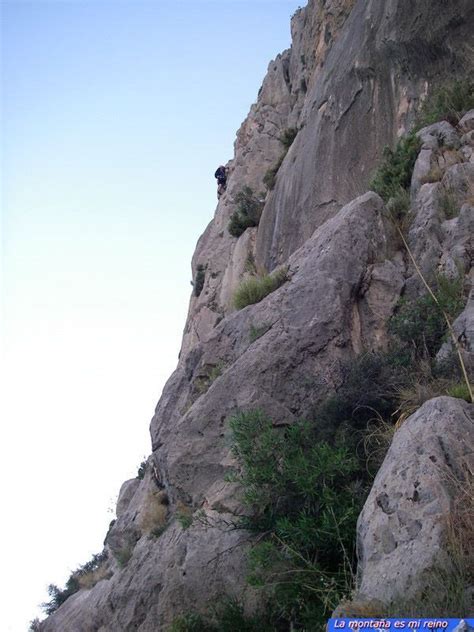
(350, 83)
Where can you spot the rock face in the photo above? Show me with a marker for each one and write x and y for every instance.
(350, 83)
(402, 528)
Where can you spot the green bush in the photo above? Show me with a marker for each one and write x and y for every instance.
(288, 136)
(59, 595)
(420, 325)
(199, 280)
(394, 175)
(304, 495)
(124, 555)
(369, 389)
(185, 519)
(460, 391)
(399, 204)
(449, 102)
(269, 179)
(255, 289)
(248, 212)
(396, 170)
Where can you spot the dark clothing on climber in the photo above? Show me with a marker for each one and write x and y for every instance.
(221, 175)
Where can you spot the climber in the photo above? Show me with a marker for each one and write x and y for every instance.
(221, 175)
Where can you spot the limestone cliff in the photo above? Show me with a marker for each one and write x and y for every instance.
(351, 83)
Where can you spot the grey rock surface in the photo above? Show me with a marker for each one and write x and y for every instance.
(331, 309)
(402, 528)
(467, 122)
(441, 234)
(350, 83)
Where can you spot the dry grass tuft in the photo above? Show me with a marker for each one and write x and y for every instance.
(434, 175)
(254, 289)
(155, 512)
(89, 580)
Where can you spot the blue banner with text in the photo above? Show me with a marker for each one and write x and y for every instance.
(439, 624)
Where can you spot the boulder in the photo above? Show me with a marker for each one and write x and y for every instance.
(401, 532)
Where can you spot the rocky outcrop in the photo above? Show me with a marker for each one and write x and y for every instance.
(330, 309)
(403, 527)
(350, 83)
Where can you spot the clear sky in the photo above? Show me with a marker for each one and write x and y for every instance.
(115, 114)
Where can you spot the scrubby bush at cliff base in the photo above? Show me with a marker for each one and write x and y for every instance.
(248, 212)
(394, 175)
(420, 325)
(254, 289)
(83, 577)
(449, 102)
(304, 495)
(396, 170)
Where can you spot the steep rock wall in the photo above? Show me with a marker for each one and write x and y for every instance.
(350, 83)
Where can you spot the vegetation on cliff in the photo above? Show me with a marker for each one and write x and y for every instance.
(248, 211)
(256, 288)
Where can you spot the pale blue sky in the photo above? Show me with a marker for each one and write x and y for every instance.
(115, 115)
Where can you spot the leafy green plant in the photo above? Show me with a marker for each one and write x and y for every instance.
(459, 390)
(185, 519)
(420, 325)
(304, 495)
(255, 289)
(396, 170)
(369, 391)
(199, 280)
(399, 204)
(449, 102)
(248, 212)
(124, 555)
